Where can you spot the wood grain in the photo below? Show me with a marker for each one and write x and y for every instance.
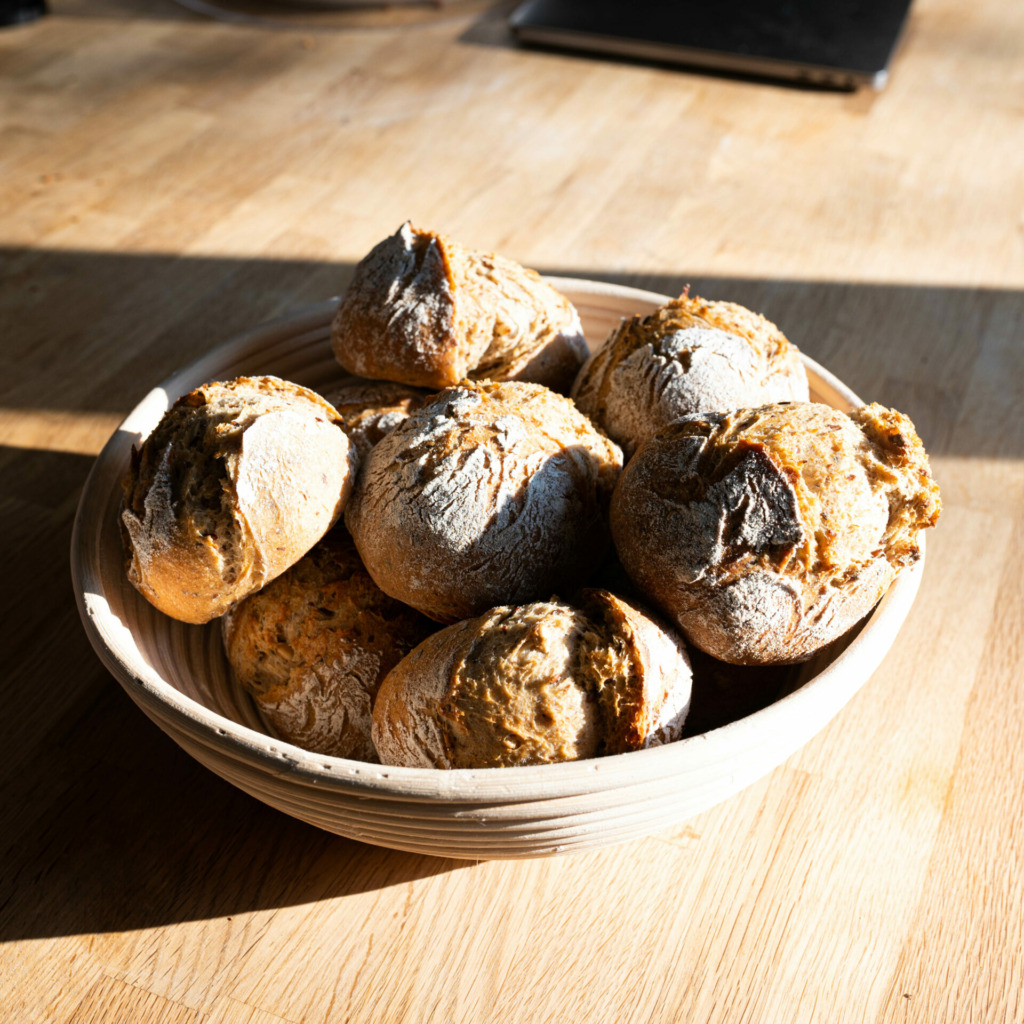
(167, 181)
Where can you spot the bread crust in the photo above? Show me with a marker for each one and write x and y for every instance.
(767, 533)
(688, 356)
(492, 493)
(370, 409)
(236, 483)
(535, 684)
(312, 647)
(426, 311)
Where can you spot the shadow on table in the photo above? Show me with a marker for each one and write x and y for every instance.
(118, 829)
(293, 15)
(143, 836)
(162, 311)
(105, 825)
(958, 393)
(59, 307)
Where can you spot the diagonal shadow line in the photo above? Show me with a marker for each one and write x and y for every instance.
(58, 310)
(959, 393)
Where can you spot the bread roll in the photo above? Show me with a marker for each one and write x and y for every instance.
(767, 533)
(369, 409)
(426, 311)
(312, 647)
(688, 356)
(236, 483)
(492, 493)
(534, 684)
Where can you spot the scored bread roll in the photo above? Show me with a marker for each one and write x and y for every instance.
(237, 482)
(369, 409)
(767, 533)
(424, 310)
(534, 684)
(491, 493)
(688, 356)
(312, 647)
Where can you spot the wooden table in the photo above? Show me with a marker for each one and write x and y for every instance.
(167, 180)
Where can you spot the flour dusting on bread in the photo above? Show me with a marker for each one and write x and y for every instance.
(237, 481)
(688, 356)
(423, 310)
(766, 533)
(491, 493)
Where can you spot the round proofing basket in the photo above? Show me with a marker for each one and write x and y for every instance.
(178, 675)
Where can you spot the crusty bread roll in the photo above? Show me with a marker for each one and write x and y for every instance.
(236, 483)
(312, 647)
(767, 533)
(424, 310)
(369, 409)
(688, 356)
(533, 684)
(491, 493)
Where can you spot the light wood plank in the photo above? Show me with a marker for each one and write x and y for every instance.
(167, 181)
(965, 944)
(115, 1002)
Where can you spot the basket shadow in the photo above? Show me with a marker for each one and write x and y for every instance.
(136, 834)
(106, 825)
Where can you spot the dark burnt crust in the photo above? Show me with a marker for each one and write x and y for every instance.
(725, 509)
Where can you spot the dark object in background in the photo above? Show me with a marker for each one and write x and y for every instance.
(832, 43)
(18, 12)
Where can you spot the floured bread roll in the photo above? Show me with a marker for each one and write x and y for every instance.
(369, 409)
(312, 647)
(688, 356)
(236, 483)
(424, 310)
(491, 493)
(767, 533)
(535, 684)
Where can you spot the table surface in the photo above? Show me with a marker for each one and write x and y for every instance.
(167, 180)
